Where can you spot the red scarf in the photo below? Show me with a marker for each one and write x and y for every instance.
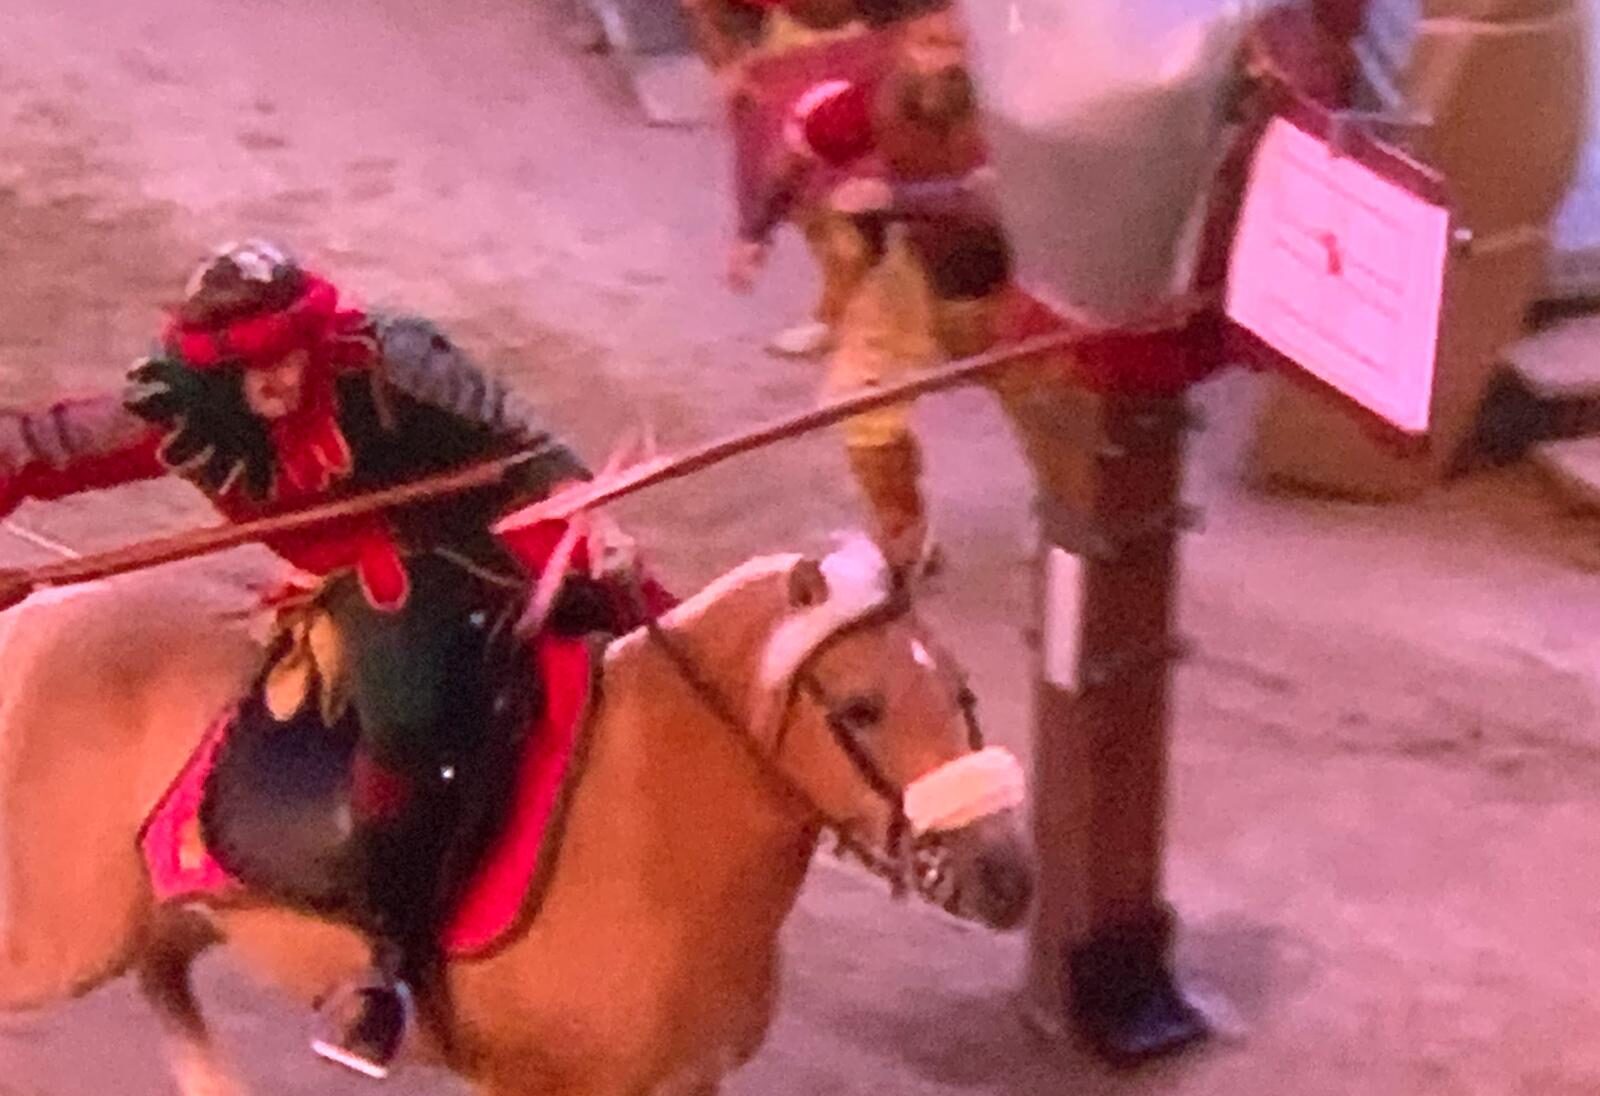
(312, 453)
(337, 339)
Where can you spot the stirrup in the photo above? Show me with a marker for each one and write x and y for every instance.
(365, 1025)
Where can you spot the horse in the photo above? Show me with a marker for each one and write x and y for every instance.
(792, 697)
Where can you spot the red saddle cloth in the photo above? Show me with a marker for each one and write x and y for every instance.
(508, 885)
(509, 881)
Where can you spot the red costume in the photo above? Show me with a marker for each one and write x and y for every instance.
(267, 395)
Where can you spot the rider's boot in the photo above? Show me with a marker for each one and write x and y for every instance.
(364, 1021)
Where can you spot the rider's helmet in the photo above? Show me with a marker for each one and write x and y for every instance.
(240, 279)
(250, 303)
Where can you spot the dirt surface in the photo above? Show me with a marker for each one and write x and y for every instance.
(1385, 827)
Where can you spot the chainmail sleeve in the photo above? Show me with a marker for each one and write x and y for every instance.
(74, 445)
(421, 363)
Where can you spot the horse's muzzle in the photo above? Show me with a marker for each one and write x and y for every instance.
(983, 872)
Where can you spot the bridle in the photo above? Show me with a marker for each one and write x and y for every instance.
(906, 861)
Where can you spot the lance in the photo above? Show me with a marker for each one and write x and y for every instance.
(15, 584)
(578, 498)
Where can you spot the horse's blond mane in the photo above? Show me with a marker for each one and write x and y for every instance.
(687, 613)
(859, 580)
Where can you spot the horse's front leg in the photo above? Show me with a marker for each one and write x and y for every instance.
(164, 968)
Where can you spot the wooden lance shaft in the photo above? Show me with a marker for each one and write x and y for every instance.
(649, 473)
(15, 585)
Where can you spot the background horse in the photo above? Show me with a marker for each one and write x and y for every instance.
(787, 698)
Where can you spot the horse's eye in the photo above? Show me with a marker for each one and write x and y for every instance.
(861, 712)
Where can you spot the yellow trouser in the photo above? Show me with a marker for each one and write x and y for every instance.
(888, 477)
(842, 259)
(894, 326)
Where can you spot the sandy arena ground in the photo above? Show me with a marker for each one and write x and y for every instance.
(1385, 829)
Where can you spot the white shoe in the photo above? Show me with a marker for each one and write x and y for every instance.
(806, 340)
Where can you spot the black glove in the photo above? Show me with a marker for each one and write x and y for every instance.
(583, 606)
(212, 437)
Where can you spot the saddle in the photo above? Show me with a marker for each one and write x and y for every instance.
(279, 818)
(264, 809)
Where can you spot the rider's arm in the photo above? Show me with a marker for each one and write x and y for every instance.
(72, 446)
(779, 194)
(421, 363)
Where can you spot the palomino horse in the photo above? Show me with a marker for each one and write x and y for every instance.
(788, 698)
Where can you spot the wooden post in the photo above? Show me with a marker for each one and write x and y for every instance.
(1109, 470)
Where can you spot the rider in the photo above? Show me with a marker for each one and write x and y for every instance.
(911, 141)
(268, 394)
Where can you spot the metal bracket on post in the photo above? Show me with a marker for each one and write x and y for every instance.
(1341, 123)
(1151, 424)
(1108, 669)
(1069, 529)
(1107, 543)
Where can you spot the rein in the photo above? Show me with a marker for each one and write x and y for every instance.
(898, 865)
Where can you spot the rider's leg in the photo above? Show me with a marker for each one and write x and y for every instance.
(419, 682)
(365, 1021)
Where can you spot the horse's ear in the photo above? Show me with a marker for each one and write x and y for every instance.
(808, 587)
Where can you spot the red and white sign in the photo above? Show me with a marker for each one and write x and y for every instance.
(1341, 270)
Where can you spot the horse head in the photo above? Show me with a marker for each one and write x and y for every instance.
(871, 721)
